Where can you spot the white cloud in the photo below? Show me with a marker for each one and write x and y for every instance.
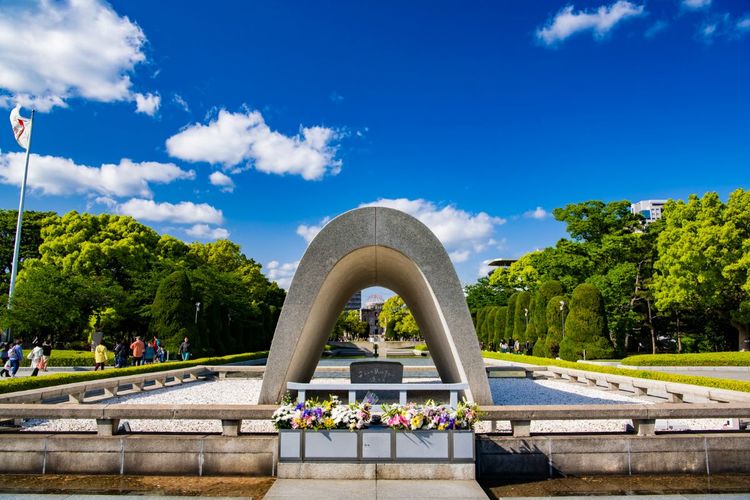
(233, 139)
(53, 175)
(147, 104)
(538, 213)
(51, 51)
(185, 212)
(178, 100)
(281, 273)
(568, 22)
(455, 228)
(206, 232)
(696, 4)
(655, 29)
(459, 255)
(222, 180)
(310, 232)
(744, 24)
(485, 268)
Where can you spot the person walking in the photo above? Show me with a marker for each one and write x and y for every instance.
(121, 353)
(100, 356)
(148, 354)
(46, 352)
(185, 349)
(15, 355)
(36, 355)
(138, 348)
(5, 372)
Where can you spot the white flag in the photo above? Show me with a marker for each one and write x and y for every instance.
(21, 127)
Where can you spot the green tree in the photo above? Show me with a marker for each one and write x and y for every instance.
(49, 303)
(586, 326)
(31, 238)
(703, 260)
(480, 319)
(521, 316)
(538, 323)
(510, 317)
(500, 320)
(557, 310)
(173, 312)
(482, 293)
(397, 320)
(488, 333)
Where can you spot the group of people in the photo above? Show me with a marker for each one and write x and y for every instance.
(11, 354)
(140, 352)
(516, 347)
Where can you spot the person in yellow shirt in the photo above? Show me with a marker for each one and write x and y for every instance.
(100, 356)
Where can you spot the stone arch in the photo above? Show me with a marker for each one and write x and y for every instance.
(375, 246)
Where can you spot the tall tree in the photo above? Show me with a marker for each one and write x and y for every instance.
(173, 312)
(703, 259)
(521, 316)
(31, 238)
(500, 320)
(586, 326)
(510, 318)
(397, 320)
(557, 310)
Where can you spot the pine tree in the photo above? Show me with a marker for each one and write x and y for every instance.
(172, 312)
(538, 323)
(557, 309)
(586, 326)
(510, 316)
(500, 320)
(521, 316)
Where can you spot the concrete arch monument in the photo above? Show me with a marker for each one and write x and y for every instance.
(375, 246)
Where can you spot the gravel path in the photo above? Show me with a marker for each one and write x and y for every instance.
(505, 391)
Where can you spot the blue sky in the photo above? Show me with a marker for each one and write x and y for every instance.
(260, 120)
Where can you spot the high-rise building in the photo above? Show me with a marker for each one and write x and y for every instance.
(650, 209)
(355, 303)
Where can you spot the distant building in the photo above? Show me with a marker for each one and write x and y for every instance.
(370, 313)
(355, 303)
(650, 209)
(499, 263)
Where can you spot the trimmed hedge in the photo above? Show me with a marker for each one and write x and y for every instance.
(26, 383)
(719, 383)
(702, 359)
(420, 347)
(66, 357)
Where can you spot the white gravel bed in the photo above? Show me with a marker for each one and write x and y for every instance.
(505, 391)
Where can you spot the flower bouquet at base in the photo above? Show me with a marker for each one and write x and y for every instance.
(430, 416)
(317, 415)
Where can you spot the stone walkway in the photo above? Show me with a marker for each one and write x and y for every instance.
(373, 489)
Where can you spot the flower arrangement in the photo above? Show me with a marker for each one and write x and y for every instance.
(430, 416)
(326, 415)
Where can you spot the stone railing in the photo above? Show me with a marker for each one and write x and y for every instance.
(108, 416)
(643, 416)
(672, 392)
(80, 392)
(402, 389)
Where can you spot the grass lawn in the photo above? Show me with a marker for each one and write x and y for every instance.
(719, 383)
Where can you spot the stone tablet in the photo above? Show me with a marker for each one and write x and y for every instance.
(376, 372)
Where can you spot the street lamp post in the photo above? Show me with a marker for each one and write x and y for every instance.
(562, 316)
(526, 316)
(197, 308)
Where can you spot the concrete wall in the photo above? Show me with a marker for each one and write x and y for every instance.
(256, 454)
(555, 456)
(144, 454)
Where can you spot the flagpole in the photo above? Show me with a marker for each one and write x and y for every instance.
(19, 224)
